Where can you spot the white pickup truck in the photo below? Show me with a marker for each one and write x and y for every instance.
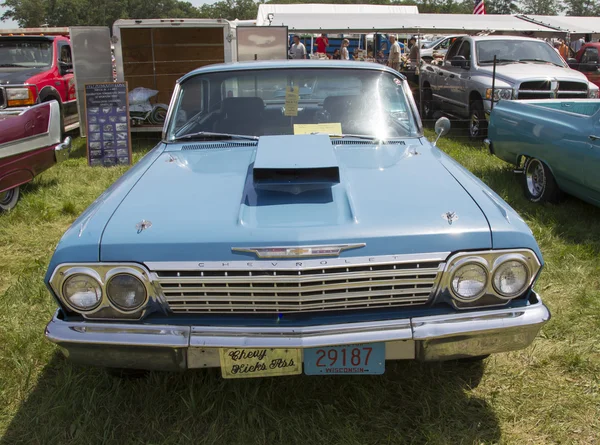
(526, 68)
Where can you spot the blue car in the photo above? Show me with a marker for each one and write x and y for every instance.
(271, 235)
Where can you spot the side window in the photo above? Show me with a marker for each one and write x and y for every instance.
(453, 50)
(465, 50)
(445, 43)
(590, 55)
(64, 54)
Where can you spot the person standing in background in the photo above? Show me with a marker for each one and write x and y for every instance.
(414, 52)
(563, 50)
(577, 44)
(297, 50)
(322, 44)
(336, 54)
(345, 55)
(394, 56)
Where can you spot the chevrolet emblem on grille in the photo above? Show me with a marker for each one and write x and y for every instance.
(299, 251)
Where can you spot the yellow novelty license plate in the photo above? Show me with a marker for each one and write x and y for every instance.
(244, 363)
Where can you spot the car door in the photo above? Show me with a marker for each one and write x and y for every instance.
(445, 75)
(452, 79)
(66, 82)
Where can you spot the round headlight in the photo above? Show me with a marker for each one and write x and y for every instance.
(82, 291)
(469, 281)
(126, 291)
(511, 278)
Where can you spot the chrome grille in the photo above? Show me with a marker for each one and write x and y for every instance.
(302, 290)
(545, 89)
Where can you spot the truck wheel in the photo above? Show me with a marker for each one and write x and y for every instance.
(8, 199)
(427, 103)
(539, 184)
(477, 121)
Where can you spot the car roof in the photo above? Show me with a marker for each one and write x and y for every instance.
(290, 64)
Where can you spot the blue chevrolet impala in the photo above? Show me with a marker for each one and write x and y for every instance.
(294, 219)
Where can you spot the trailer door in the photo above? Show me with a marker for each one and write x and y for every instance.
(261, 42)
(92, 62)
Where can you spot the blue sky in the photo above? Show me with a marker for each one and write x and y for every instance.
(11, 24)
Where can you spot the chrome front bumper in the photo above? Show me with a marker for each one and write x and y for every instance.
(170, 347)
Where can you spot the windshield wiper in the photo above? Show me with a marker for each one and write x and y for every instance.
(212, 135)
(539, 60)
(500, 61)
(356, 136)
(11, 65)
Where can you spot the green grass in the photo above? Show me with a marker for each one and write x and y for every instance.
(548, 393)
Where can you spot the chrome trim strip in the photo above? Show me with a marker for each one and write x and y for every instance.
(296, 251)
(294, 264)
(302, 279)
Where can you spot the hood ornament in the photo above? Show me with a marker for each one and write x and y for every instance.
(143, 225)
(298, 251)
(450, 217)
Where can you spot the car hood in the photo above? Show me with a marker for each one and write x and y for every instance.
(531, 71)
(195, 203)
(17, 76)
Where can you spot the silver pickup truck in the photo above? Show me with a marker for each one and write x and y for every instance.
(526, 68)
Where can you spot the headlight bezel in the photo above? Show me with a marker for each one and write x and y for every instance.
(593, 93)
(102, 273)
(491, 260)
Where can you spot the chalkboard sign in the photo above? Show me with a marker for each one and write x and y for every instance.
(107, 115)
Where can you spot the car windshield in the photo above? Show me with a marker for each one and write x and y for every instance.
(288, 101)
(515, 51)
(25, 53)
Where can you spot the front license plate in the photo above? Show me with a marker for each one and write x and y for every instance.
(245, 363)
(368, 358)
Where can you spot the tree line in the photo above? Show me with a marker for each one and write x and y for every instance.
(35, 13)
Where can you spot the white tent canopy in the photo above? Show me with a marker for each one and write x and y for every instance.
(342, 18)
(574, 25)
(266, 12)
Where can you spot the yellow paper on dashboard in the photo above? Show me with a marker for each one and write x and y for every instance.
(292, 97)
(328, 128)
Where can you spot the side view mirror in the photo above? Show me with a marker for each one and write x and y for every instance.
(441, 128)
(459, 61)
(571, 61)
(65, 68)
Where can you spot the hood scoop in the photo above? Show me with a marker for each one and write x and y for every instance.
(295, 164)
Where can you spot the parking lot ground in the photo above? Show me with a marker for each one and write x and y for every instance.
(548, 393)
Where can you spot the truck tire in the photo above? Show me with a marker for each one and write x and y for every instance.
(9, 198)
(539, 184)
(427, 106)
(477, 121)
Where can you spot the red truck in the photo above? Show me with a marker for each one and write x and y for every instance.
(588, 62)
(36, 66)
